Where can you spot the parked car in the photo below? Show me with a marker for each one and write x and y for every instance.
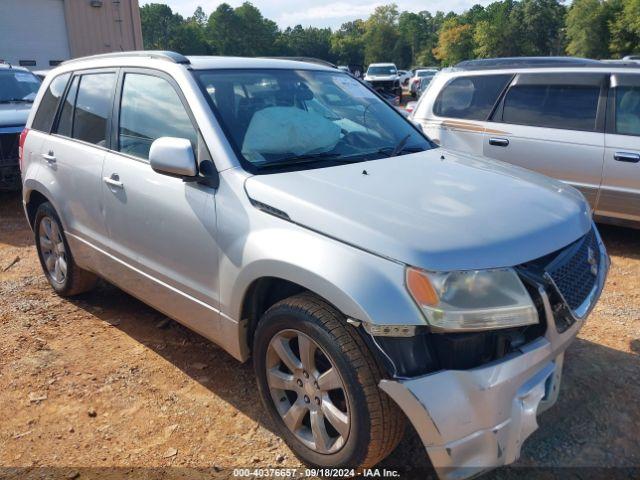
(383, 77)
(422, 85)
(18, 88)
(573, 119)
(632, 58)
(284, 211)
(418, 75)
(404, 76)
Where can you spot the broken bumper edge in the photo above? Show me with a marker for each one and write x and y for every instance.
(472, 421)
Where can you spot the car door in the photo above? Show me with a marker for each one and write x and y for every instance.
(458, 115)
(162, 230)
(73, 155)
(620, 191)
(553, 123)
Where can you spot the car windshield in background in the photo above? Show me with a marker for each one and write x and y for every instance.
(18, 86)
(426, 74)
(382, 71)
(297, 118)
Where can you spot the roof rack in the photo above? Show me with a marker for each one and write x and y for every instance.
(526, 62)
(306, 59)
(156, 54)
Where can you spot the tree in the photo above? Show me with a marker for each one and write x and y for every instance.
(224, 30)
(257, 34)
(625, 27)
(159, 24)
(496, 35)
(420, 32)
(347, 43)
(199, 17)
(189, 39)
(540, 24)
(306, 42)
(381, 34)
(587, 29)
(455, 42)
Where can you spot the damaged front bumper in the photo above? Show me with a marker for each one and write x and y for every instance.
(474, 420)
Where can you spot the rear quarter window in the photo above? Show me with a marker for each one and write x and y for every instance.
(470, 97)
(43, 119)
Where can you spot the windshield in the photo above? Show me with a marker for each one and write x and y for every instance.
(18, 86)
(388, 70)
(426, 73)
(295, 118)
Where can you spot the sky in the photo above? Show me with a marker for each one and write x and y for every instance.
(319, 13)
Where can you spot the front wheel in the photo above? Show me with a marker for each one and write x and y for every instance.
(319, 383)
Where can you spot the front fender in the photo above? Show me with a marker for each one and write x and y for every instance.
(255, 244)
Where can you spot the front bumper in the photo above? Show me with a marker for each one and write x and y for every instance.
(474, 420)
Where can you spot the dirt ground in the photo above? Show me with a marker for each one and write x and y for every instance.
(103, 385)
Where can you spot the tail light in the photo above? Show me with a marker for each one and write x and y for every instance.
(23, 138)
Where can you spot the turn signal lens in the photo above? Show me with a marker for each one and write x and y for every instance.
(421, 288)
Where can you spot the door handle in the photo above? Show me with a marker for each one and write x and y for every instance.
(627, 157)
(49, 157)
(499, 142)
(113, 181)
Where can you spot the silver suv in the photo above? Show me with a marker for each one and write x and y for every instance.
(286, 212)
(573, 119)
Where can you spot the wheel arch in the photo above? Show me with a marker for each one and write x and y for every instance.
(265, 291)
(33, 198)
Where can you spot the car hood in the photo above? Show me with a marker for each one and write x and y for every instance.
(14, 114)
(436, 210)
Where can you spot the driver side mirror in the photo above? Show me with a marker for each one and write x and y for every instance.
(173, 156)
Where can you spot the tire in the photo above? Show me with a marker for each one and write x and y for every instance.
(66, 278)
(374, 424)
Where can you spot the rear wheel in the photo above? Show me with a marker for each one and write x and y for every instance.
(56, 259)
(319, 383)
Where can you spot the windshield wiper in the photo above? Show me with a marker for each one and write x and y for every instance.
(401, 147)
(299, 159)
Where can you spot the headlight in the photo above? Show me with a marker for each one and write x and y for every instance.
(472, 300)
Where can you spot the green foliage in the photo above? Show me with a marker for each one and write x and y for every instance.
(159, 25)
(455, 42)
(347, 43)
(625, 27)
(588, 28)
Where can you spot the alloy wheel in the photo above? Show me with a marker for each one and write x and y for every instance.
(53, 250)
(308, 391)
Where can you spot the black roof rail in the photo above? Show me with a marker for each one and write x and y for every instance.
(157, 54)
(306, 59)
(527, 62)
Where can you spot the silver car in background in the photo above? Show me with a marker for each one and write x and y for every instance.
(285, 211)
(576, 120)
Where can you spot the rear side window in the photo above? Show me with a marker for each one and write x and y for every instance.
(569, 107)
(628, 110)
(65, 122)
(150, 108)
(92, 109)
(49, 103)
(470, 98)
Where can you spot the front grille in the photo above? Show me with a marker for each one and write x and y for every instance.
(9, 148)
(575, 270)
(383, 84)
